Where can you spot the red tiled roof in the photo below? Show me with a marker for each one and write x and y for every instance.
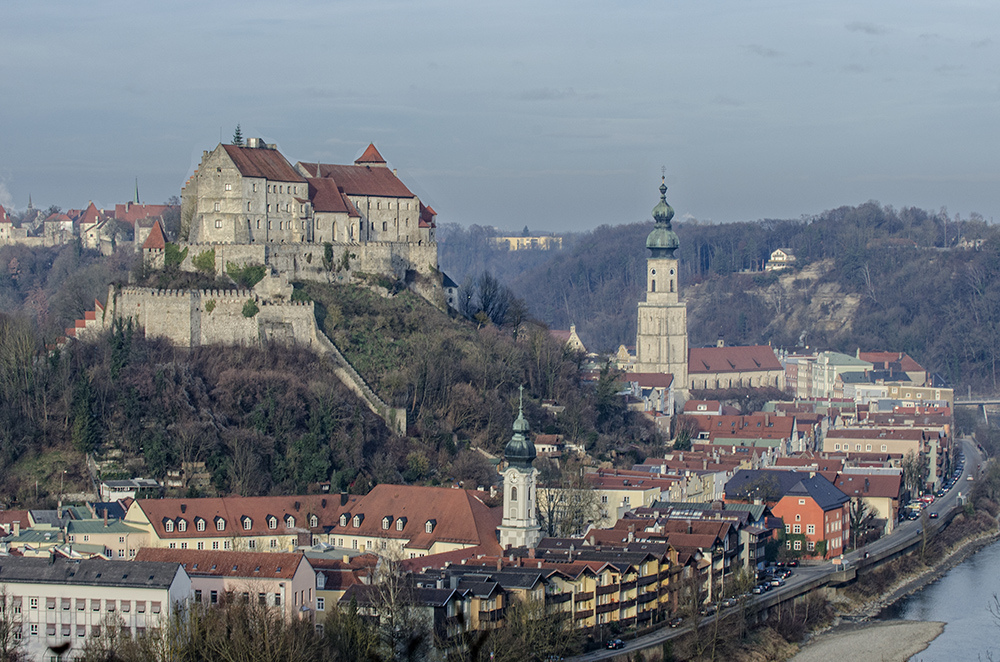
(871, 485)
(732, 359)
(754, 424)
(710, 405)
(371, 155)
(906, 362)
(8, 517)
(233, 509)
(326, 196)
(360, 179)
(650, 379)
(561, 335)
(3, 215)
(130, 212)
(155, 240)
(271, 565)
(90, 215)
(876, 433)
(266, 163)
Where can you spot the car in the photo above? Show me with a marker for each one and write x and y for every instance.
(729, 602)
(777, 581)
(939, 494)
(970, 478)
(786, 574)
(615, 644)
(913, 516)
(794, 563)
(758, 589)
(933, 515)
(708, 610)
(674, 622)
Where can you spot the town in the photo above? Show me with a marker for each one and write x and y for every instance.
(839, 458)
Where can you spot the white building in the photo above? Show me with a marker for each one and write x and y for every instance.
(57, 604)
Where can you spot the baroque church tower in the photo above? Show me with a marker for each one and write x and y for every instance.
(520, 527)
(661, 343)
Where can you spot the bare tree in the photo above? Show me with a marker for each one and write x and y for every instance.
(11, 644)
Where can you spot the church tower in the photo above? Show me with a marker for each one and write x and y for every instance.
(519, 527)
(661, 343)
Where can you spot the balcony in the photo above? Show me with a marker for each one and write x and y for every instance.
(585, 613)
(493, 616)
(626, 586)
(647, 597)
(648, 579)
(604, 590)
(557, 598)
(587, 595)
(611, 606)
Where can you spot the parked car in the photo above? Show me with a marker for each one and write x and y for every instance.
(728, 602)
(794, 563)
(615, 644)
(674, 622)
(777, 581)
(758, 589)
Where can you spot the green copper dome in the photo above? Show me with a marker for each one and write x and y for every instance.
(520, 451)
(662, 240)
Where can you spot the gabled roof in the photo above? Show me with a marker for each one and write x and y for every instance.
(155, 240)
(823, 492)
(905, 361)
(359, 180)
(263, 162)
(90, 215)
(326, 196)
(732, 359)
(870, 485)
(215, 563)
(744, 484)
(649, 379)
(371, 155)
(3, 215)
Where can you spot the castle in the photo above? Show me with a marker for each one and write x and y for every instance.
(312, 221)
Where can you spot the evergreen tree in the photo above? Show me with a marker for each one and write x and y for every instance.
(238, 137)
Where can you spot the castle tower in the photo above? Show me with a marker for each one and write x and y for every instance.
(661, 343)
(519, 527)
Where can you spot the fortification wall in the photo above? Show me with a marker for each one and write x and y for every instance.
(304, 261)
(164, 313)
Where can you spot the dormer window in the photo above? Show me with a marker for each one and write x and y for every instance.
(400, 523)
(357, 521)
(182, 525)
(247, 523)
(220, 524)
(313, 521)
(199, 524)
(429, 525)
(386, 522)
(344, 518)
(290, 522)
(168, 526)
(272, 522)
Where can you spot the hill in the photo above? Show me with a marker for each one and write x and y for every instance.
(867, 276)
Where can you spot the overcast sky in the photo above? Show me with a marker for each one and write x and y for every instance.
(555, 115)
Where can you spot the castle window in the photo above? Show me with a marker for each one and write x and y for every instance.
(385, 226)
(255, 188)
(281, 189)
(258, 224)
(229, 187)
(652, 286)
(218, 223)
(218, 206)
(671, 285)
(269, 207)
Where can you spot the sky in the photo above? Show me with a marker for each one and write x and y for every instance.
(555, 115)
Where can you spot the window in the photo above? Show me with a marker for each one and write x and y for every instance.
(798, 518)
(797, 528)
(386, 522)
(220, 524)
(868, 447)
(140, 606)
(320, 604)
(50, 603)
(255, 188)
(625, 500)
(277, 599)
(399, 523)
(33, 603)
(172, 545)
(788, 528)
(199, 524)
(111, 604)
(604, 498)
(274, 543)
(201, 545)
(65, 604)
(95, 605)
(290, 522)
(357, 521)
(247, 523)
(272, 522)
(126, 606)
(215, 544)
(33, 630)
(313, 521)
(354, 544)
(184, 545)
(168, 526)
(81, 605)
(811, 546)
(802, 502)
(810, 529)
(429, 526)
(218, 207)
(884, 448)
(197, 595)
(252, 544)
(798, 545)
(121, 539)
(182, 525)
(249, 206)
(214, 598)
(225, 544)
(836, 447)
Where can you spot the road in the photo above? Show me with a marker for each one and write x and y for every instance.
(907, 530)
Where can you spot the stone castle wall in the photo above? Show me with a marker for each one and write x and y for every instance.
(305, 261)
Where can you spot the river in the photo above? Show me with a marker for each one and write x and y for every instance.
(960, 598)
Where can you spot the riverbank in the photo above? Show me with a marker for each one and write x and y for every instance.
(896, 641)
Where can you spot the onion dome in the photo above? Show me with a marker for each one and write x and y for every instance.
(520, 451)
(662, 241)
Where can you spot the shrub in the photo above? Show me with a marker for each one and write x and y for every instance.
(210, 305)
(246, 275)
(250, 308)
(173, 255)
(205, 261)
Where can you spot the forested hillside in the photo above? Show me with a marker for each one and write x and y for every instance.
(867, 276)
(273, 419)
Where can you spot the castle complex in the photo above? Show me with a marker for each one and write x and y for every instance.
(250, 205)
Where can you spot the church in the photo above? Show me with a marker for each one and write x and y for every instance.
(661, 342)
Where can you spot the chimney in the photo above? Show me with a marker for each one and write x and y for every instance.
(322, 503)
(499, 563)
(17, 527)
(343, 498)
(453, 582)
(531, 552)
(184, 508)
(866, 484)
(347, 558)
(690, 527)
(106, 515)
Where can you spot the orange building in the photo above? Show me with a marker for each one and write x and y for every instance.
(815, 514)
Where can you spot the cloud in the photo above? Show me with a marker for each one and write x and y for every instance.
(726, 101)
(762, 51)
(546, 94)
(982, 43)
(866, 28)
(855, 68)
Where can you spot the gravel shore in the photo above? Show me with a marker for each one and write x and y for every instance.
(892, 641)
